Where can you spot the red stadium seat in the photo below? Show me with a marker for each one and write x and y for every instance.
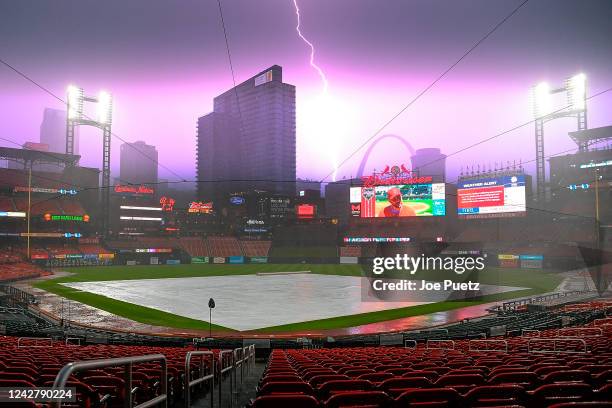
(430, 398)
(495, 395)
(561, 392)
(285, 401)
(371, 399)
(286, 387)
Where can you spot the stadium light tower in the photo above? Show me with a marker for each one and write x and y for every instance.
(103, 120)
(543, 111)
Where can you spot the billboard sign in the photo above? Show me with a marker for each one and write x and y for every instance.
(499, 195)
(402, 200)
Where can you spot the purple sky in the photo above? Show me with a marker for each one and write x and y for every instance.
(164, 61)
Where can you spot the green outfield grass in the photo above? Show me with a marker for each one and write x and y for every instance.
(536, 281)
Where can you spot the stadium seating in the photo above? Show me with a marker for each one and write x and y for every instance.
(255, 248)
(71, 207)
(454, 374)
(194, 246)
(224, 246)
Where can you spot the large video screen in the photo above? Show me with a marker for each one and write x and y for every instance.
(406, 200)
(501, 195)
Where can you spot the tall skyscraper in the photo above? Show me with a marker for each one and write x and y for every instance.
(430, 161)
(248, 141)
(138, 163)
(53, 131)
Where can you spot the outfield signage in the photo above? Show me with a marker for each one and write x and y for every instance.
(258, 259)
(173, 262)
(236, 259)
(218, 260)
(199, 260)
(66, 217)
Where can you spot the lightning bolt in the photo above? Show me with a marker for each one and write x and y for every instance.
(323, 79)
(312, 48)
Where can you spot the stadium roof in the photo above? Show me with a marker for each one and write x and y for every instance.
(600, 133)
(38, 156)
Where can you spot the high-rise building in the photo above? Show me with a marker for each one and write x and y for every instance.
(138, 163)
(248, 142)
(430, 161)
(53, 131)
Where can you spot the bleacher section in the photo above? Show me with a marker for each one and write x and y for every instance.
(194, 246)
(517, 372)
(224, 246)
(255, 248)
(13, 267)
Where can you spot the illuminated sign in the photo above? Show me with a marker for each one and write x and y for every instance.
(491, 196)
(200, 207)
(600, 164)
(401, 200)
(66, 217)
(394, 175)
(134, 189)
(153, 250)
(63, 191)
(263, 78)
(16, 214)
(131, 207)
(237, 200)
(167, 203)
(306, 210)
(126, 218)
(375, 239)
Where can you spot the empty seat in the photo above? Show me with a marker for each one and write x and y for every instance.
(430, 398)
(562, 392)
(284, 401)
(495, 395)
(286, 387)
(358, 399)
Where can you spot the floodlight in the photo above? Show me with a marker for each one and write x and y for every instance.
(576, 92)
(542, 104)
(75, 102)
(104, 108)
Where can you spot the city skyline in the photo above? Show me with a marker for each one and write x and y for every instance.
(382, 57)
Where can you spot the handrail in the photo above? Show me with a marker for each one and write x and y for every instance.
(580, 331)
(526, 331)
(49, 341)
(411, 341)
(452, 342)
(554, 341)
(504, 342)
(69, 339)
(210, 377)
(222, 371)
(127, 362)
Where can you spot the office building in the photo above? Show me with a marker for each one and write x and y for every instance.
(248, 142)
(138, 163)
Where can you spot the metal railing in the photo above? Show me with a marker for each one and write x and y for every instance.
(580, 332)
(73, 341)
(222, 370)
(47, 341)
(126, 362)
(406, 341)
(431, 343)
(530, 333)
(210, 377)
(554, 341)
(504, 343)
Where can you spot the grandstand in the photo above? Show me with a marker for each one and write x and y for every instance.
(224, 246)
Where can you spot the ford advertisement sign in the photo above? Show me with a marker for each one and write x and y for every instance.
(237, 200)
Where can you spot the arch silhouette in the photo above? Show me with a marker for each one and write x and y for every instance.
(364, 161)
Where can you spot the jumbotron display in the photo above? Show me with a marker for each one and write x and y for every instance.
(491, 197)
(399, 200)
